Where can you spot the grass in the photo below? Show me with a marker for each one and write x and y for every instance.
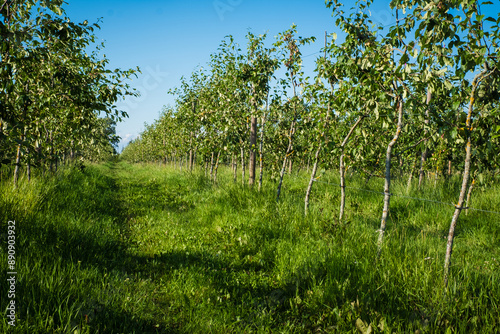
(122, 248)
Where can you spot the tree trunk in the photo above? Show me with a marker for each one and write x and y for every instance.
(261, 153)
(282, 173)
(235, 169)
(342, 171)
(216, 167)
(288, 152)
(253, 142)
(242, 166)
(212, 167)
(316, 155)
(18, 159)
(465, 180)
(425, 151)
(51, 167)
(191, 152)
(312, 179)
(39, 158)
(467, 201)
(410, 178)
(18, 164)
(456, 214)
(28, 165)
(387, 186)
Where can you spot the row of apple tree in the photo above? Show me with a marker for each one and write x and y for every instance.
(56, 101)
(418, 98)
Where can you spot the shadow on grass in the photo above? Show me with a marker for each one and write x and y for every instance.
(57, 241)
(94, 194)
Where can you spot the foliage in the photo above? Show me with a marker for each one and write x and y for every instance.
(56, 101)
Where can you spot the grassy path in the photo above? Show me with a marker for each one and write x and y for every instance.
(125, 248)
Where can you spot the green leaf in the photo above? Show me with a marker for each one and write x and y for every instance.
(453, 133)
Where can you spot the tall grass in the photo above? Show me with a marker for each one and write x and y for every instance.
(122, 248)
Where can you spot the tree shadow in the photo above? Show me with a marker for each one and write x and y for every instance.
(344, 283)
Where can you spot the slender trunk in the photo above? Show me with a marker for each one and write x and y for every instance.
(425, 151)
(449, 167)
(436, 177)
(51, 167)
(465, 180)
(40, 159)
(387, 186)
(261, 152)
(290, 164)
(311, 180)
(28, 165)
(253, 142)
(216, 167)
(18, 164)
(242, 166)
(467, 201)
(316, 155)
(190, 160)
(456, 214)
(191, 135)
(194, 159)
(342, 168)
(18, 159)
(206, 167)
(410, 178)
(287, 154)
(191, 152)
(235, 169)
(212, 167)
(282, 173)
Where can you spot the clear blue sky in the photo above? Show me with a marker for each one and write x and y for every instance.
(169, 39)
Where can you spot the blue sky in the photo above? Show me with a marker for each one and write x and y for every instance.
(169, 39)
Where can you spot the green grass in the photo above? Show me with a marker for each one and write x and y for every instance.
(122, 248)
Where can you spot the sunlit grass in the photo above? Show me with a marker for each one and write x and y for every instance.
(122, 248)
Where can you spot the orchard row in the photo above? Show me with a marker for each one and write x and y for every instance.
(56, 101)
(422, 94)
